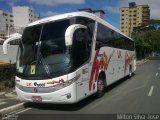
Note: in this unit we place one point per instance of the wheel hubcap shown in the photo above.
(100, 85)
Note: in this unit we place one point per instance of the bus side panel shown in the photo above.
(82, 84)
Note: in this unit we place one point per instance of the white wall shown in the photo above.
(11, 55)
(21, 18)
(2, 23)
(5, 20)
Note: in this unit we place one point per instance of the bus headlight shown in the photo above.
(67, 83)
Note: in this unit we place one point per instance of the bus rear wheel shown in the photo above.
(130, 72)
(100, 87)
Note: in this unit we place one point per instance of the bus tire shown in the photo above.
(130, 72)
(100, 87)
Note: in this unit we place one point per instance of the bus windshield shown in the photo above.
(42, 50)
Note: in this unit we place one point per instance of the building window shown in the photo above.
(5, 14)
(122, 10)
(122, 14)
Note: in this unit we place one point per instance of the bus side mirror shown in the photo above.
(12, 37)
(70, 31)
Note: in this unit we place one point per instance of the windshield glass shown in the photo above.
(42, 51)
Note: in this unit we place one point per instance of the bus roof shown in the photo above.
(74, 14)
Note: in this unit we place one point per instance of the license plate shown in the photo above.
(36, 98)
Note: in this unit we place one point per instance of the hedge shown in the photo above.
(7, 71)
(7, 75)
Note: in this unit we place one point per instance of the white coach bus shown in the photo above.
(65, 58)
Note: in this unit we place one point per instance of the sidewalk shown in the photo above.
(140, 62)
(8, 99)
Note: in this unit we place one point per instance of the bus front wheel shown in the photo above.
(100, 87)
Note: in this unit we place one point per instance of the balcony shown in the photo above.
(145, 15)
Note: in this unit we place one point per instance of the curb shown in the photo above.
(12, 108)
(142, 62)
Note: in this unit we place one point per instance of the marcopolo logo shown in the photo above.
(39, 84)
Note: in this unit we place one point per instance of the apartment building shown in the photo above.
(23, 15)
(133, 16)
(6, 20)
(6, 24)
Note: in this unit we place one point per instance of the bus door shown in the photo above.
(81, 54)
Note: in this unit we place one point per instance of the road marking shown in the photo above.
(151, 90)
(17, 106)
(2, 93)
(14, 98)
(11, 94)
(2, 100)
(23, 111)
(157, 74)
(1, 103)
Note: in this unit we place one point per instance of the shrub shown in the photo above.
(7, 75)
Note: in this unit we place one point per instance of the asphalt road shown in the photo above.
(140, 94)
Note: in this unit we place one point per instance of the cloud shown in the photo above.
(49, 13)
(153, 4)
(55, 2)
(11, 3)
(111, 9)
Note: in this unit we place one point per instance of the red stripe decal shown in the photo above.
(102, 64)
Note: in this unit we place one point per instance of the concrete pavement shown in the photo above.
(9, 102)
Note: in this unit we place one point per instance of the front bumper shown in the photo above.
(63, 96)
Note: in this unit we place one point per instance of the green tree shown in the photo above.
(146, 42)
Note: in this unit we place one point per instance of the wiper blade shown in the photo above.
(44, 63)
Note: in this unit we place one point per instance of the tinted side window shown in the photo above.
(104, 36)
(111, 38)
(129, 44)
(87, 22)
(118, 41)
(80, 48)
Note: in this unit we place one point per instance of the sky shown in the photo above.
(52, 7)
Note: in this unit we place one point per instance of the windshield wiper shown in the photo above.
(44, 63)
